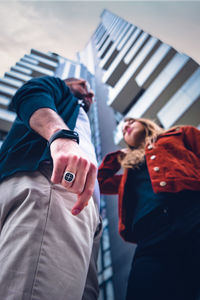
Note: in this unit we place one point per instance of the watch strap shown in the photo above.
(66, 134)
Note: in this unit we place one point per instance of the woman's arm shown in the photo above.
(108, 180)
(192, 139)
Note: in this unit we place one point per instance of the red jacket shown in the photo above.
(173, 164)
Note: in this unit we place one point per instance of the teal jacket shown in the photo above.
(24, 149)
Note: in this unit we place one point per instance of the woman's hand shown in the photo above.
(125, 150)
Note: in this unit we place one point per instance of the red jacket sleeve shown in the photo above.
(108, 180)
(192, 139)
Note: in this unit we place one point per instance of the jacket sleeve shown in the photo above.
(43, 92)
(192, 139)
(108, 180)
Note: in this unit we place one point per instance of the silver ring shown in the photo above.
(69, 176)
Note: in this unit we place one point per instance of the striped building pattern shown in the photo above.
(132, 74)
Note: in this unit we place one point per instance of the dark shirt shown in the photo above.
(24, 149)
(145, 198)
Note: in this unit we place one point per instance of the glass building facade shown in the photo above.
(132, 74)
(138, 76)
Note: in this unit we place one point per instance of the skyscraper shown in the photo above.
(136, 75)
(131, 73)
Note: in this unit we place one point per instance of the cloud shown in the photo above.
(56, 27)
(65, 27)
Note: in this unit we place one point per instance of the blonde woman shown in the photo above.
(159, 207)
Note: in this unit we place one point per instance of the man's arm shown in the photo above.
(66, 155)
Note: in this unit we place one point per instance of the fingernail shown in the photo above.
(76, 211)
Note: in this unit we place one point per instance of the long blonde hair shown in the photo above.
(134, 157)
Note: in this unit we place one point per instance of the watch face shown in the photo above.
(72, 135)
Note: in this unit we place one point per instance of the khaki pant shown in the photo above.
(46, 253)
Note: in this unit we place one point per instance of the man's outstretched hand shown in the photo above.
(67, 156)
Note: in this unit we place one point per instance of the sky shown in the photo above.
(65, 27)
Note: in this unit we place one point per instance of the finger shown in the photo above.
(87, 193)
(58, 169)
(81, 175)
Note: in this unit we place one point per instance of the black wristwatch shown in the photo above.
(65, 134)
